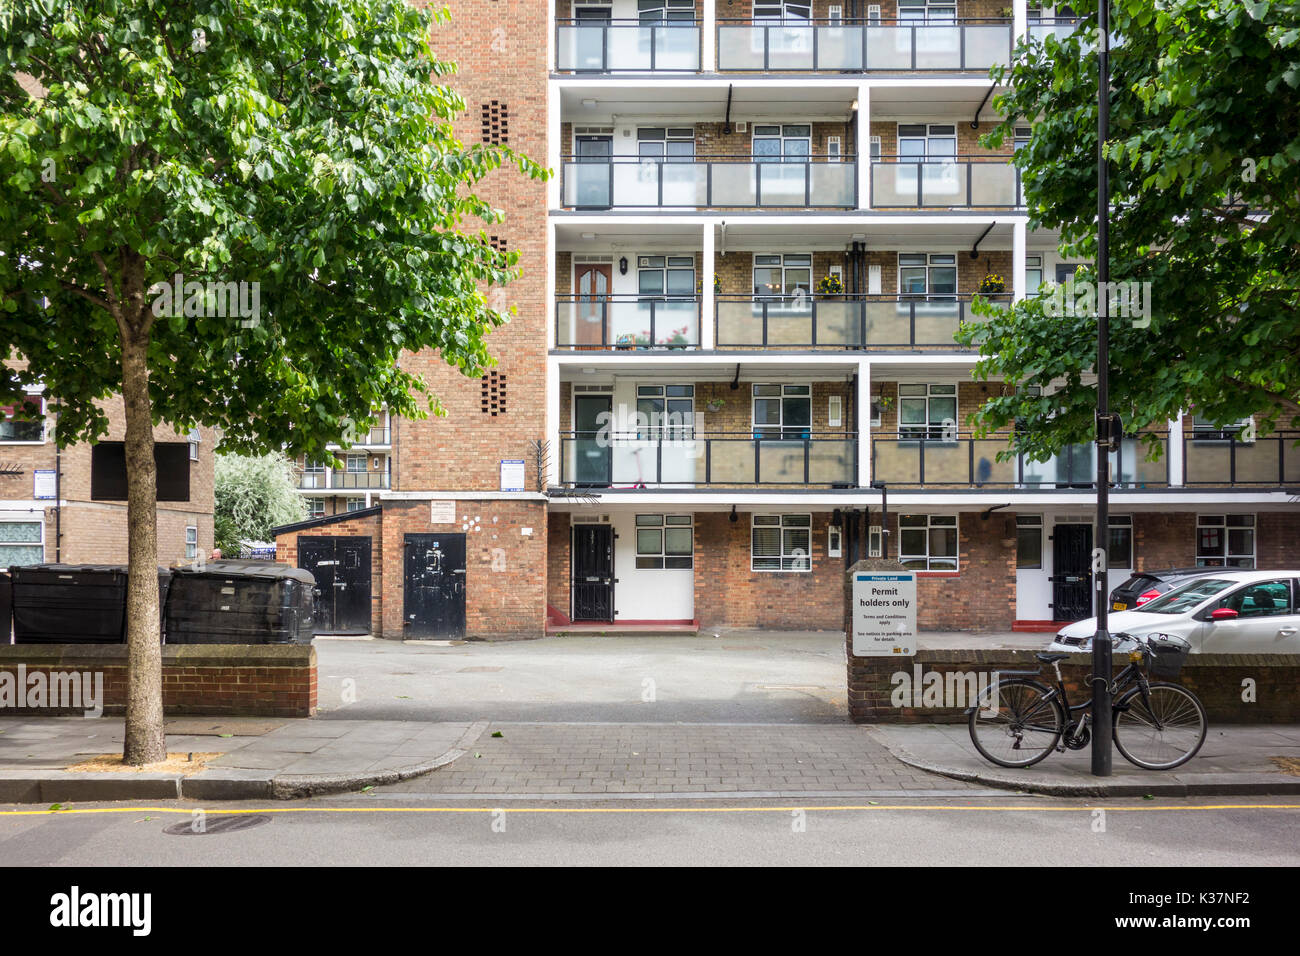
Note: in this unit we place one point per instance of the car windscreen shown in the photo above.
(1187, 596)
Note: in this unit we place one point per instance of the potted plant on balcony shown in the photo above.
(830, 285)
(992, 284)
(717, 285)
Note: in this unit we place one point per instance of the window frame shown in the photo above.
(931, 262)
(657, 559)
(191, 542)
(1027, 523)
(40, 420)
(788, 527)
(783, 432)
(666, 428)
(6, 545)
(944, 523)
(1119, 523)
(1225, 559)
(929, 430)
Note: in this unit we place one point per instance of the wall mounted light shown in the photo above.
(733, 517)
(622, 265)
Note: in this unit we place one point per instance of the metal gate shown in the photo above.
(593, 572)
(341, 566)
(434, 586)
(1071, 572)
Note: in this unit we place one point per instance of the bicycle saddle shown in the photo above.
(1049, 658)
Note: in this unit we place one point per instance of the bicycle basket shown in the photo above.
(1165, 655)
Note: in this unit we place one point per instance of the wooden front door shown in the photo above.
(592, 283)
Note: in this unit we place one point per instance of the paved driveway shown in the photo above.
(736, 676)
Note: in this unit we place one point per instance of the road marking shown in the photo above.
(1081, 808)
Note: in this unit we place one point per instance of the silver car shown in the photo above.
(1229, 612)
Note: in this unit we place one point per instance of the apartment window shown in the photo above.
(781, 543)
(1119, 542)
(782, 411)
(921, 274)
(1022, 136)
(191, 543)
(1205, 430)
(1033, 274)
(783, 275)
(664, 542)
(315, 507)
(665, 411)
(194, 438)
(356, 464)
(788, 10)
(772, 144)
(1029, 542)
(834, 542)
(19, 424)
(833, 150)
(674, 145)
(933, 11)
(666, 276)
(932, 142)
(21, 543)
(835, 411)
(1225, 541)
(927, 411)
(665, 11)
(313, 475)
(928, 542)
(356, 504)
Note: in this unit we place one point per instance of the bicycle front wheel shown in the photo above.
(1161, 732)
(1015, 723)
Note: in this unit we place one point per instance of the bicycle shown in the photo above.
(1156, 725)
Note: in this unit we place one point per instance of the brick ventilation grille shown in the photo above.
(494, 394)
(496, 123)
(497, 242)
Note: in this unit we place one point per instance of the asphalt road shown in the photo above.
(737, 676)
(420, 829)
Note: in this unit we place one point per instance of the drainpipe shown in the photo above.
(58, 493)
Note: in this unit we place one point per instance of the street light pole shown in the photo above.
(1101, 644)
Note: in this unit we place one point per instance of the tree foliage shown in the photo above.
(253, 495)
(1204, 154)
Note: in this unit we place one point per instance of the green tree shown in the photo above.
(305, 151)
(253, 495)
(1205, 197)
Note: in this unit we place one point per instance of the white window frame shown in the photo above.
(930, 431)
(312, 511)
(194, 438)
(835, 411)
(36, 519)
(667, 427)
(788, 392)
(1033, 264)
(1120, 523)
(352, 460)
(191, 542)
(355, 504)
(663, 523)
(45, 425)
(932, 523)
(1032, 522)
(933, 261)
(786, 263)
(834, 541)
(791, 559)
(1227, 523)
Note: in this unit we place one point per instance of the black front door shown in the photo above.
(434, 586)
(592, 431)
(593, 572)
(341, 566)
(1071, 572)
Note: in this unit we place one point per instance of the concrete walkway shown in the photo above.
(260, 758)
(1235, 759)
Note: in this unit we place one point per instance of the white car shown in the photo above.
(1229, 612)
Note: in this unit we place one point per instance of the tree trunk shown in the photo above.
(145, 741)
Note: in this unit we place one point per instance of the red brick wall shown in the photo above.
(228, 680)
(559, 539)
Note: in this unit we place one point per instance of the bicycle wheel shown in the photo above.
(1163, 732)
(1018, 728)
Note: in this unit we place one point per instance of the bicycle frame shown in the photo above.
(1120, 683)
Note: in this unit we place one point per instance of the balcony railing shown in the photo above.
(359, 479)
(843, 321)
(627, 46)
(727, 182)
(675, 456)
(897, 45)
(1232, 462)
(957, 182)
(932, 456)
(627, 322)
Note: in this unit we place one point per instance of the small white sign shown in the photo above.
(884, 614)
(512, 474)
(442, 512)
(43, 483)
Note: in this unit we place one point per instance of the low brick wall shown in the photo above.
(272, 680)
(1217, 679)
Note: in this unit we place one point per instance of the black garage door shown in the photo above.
(341, 566)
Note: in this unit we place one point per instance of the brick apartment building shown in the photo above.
(736, 315)
(69, 505)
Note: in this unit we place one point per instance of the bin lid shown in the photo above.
(263, 570)
(81, 568)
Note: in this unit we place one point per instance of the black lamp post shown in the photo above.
(1106, 430)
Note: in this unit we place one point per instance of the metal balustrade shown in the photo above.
(957, 182)
(627, 322)
(817, 182)
(1229, 461)
(627, 46)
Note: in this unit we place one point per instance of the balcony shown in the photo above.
(679, 458)
(626, 322)
(843, 321)
(959, 182)
(927, 458)
(627, 46)
(1231, 462)
(721, 182)
(343, 481)
(853, 46)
